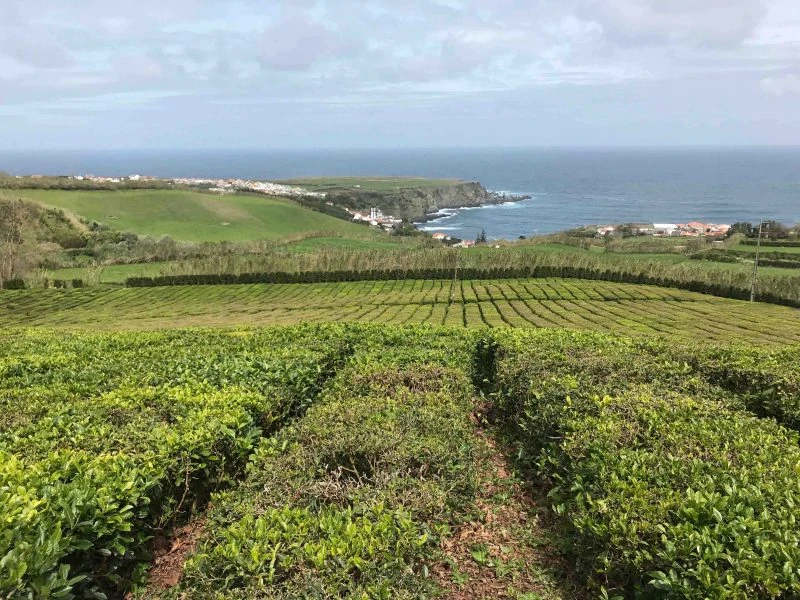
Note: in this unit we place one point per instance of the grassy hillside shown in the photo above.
(524, 303)
(192, 216)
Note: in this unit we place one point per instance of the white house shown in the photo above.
(665, 228)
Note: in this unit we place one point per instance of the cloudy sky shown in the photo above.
(398, 73)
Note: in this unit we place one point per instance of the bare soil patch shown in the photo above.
(505, 550)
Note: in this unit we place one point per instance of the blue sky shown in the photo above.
(400, 73)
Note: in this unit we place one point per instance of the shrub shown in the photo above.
(663, 490)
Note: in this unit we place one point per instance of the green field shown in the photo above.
(766, 249)
(193, 216)
(374, 462)
(578, 304)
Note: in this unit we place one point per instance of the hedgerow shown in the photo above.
(106, 450)
(351, 500)
(666, 487)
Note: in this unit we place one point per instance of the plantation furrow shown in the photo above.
(776, 331)
(491, 315)
(623, 314)
(652, 315)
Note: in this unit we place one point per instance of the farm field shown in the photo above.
(375, 462)
(193, 216)
(766, 249)
(539, 303)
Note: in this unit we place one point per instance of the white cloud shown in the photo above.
(787, 85)
(708, 22)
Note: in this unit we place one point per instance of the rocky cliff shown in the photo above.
(415, 203)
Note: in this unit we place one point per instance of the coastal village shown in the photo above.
(219, 186)
(690, 229)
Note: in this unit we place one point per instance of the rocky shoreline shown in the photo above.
(492, 198)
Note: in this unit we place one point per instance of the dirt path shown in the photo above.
(169, 554)
(505, 550)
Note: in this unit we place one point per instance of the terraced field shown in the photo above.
(570, 303)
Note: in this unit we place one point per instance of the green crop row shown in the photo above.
(333, 461)
(106, 442)
(541, 271)
(773, 243)
(352, 499)
(766, 380)
(666, 486)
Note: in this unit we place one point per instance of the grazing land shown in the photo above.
(193, 216)
(549, 303)
(355, 461)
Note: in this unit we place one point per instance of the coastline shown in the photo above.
(495, 198)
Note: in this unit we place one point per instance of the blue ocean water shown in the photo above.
(569, 187)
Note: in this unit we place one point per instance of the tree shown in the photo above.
(481, 239)
(406, 228)
(744, 227)
(10, 239)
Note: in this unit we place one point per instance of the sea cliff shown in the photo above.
(418, 203)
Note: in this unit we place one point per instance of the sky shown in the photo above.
(102, 74)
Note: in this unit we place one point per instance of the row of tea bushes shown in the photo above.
(766, 379)
(773, 243)
(107, 440)
(351, 500)
(699, 285)
(666, 486)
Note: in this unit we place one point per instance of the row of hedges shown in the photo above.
(773, 243)
(352, 500)
(106, 441)
(782, 260)
(19, 284)
(13, 284)
(662, 489)
(705, 287)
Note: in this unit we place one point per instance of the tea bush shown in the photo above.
(666, 487)
(351, 500)
(108, 439)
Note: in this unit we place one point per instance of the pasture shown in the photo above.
(193, 216)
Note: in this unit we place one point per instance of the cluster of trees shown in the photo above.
(770, 230)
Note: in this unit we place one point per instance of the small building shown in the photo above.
(665, 228)
(606, 230)
(440, 236)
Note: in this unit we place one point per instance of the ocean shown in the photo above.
(569, 187)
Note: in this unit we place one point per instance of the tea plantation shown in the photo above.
(495, 303)
(373, 461)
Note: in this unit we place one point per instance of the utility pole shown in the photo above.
(755, 265)
(455, 280)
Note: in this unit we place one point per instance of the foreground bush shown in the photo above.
(107, 441)
(661, 494)
(766, 380)
(352, 499)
